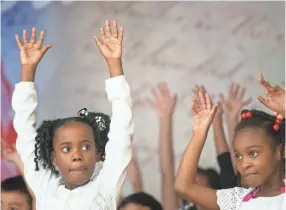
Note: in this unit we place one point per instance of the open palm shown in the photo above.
(203, 112)
(235, 102)
(31, 51)
(110, 44)
(8, 153)
(164, 102)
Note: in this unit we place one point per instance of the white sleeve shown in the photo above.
(118, 147)
(231, 199)
(24, 103)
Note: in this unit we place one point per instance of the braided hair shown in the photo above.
(262, 120)
(99, 123)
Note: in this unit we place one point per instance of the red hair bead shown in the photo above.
(276, 127)
(278, 121)
(248, 114)
(243, 115)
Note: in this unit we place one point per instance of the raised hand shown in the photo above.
(110, 43)
(8, 153)
(196, 89)
(164, 102)
(203, 112)
(234, 103)
(31, 51)
(274, 97)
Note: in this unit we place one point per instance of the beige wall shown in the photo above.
(182, 43)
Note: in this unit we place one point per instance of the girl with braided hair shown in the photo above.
(259, 144)
(61, 156)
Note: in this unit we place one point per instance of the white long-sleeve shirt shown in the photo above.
(102, 191)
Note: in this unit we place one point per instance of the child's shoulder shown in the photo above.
(232, 197)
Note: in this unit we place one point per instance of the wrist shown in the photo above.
(200, 133)
(165, 117)
(217, 118)
(115, 67)
(28, 73)
(233, 117)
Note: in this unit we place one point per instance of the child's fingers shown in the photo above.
(195, 91)
(107, 28)
(236, 90)
(213, 110)
(202, 100)
(98, 41)
(262, 81)
(230, 90)
(203, 88)
(263, 101)
(25, 36)
(195, 106)
(34, 34)
(208, 101)
(19, 43)
(164, 89)
(45, 49)
(102, 33)
(115, 29)
(121, 33)
(241, 93)
(41, 39)
(157, 93)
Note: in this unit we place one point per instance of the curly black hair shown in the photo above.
(142, 199)
(212, 177)
(264, 121)
(99, 123)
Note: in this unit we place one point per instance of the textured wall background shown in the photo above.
(182, 43)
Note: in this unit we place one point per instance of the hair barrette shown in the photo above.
(100, 123)
(277, 123)
(246, 115)
(83, 112)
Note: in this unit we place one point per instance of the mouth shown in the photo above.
(82, 168)
(249, 175)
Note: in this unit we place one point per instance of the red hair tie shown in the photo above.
(278, 121)
(246, 115)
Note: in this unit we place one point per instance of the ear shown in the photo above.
(53, 159)
(280, 152)
(98, 157)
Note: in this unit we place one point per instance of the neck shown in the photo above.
(273, 186)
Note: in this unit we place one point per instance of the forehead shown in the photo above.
(251, 137)
(14, 197)
(71, 130)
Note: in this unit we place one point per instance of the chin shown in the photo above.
(251, 183)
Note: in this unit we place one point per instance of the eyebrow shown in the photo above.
(66, 142)
(16, 204)
(83, 141)
(250, 147)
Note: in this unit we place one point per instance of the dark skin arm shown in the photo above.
(203, 112)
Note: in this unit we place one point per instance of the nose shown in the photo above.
(77, 156)
(246, 163)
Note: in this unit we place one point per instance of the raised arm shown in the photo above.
(164, 104)
(134, 174)
(24, 103)
(118, 147)
(203, 112)
(11, 155)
